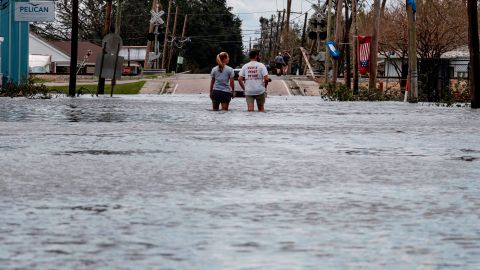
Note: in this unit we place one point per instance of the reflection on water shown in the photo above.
(164, 183)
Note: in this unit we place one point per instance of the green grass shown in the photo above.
(120, 89)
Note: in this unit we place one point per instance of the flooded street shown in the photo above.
(161, 182)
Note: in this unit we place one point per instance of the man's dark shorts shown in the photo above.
(259, 98)
(220, 96)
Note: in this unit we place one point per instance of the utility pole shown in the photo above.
(277, 40)
(108, 17)
(346, 41)
(106, 29)
(412, 55)
(287, 26)
(250, 44)
(271, 36)
(151, 28)
(73, 50)
(329, 36)
(338, 33)
(474, 53)
(165, 42)
(372, 85)
(173, 39)
(118, 19)
(281, 30)
(304, 32)
(184, 32)
(355, 47)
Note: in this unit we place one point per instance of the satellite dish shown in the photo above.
(112, 43)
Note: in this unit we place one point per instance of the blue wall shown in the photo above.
(15, 46)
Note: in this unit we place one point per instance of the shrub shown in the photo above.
(26, 89)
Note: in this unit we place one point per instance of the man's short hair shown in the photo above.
(253, 54)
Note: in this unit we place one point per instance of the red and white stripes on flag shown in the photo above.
(364, 54)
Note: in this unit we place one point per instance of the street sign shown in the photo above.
(157, 17)
(109, 66)
(180, 60)
(38, 11)
(112, 43)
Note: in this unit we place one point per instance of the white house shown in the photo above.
(459, 60)
(45, 58)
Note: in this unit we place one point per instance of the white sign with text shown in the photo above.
(35, 11)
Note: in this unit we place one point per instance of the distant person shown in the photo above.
(279, 63)
(253, 79)
(286, 58)
(222, 87)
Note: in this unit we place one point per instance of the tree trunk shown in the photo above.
(374, 47)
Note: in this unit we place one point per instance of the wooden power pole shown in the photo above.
(151, 28)
(372, 85)
(106, 30)
(74, 50)
(338, 34)
(329, 36)
(355, 47)
(165, 42)
(287, 25)
(174, 38)
(412, 55)
(118, 18)
(474, 53)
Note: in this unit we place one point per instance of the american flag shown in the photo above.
(364, 54)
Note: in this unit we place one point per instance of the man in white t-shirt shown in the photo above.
(253, 78)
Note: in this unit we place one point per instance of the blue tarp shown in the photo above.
(413, 4)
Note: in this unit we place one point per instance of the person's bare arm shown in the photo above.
(241, 81)
(232, 86)
(211, 85)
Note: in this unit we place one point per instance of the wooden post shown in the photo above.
(118, 18)
(270, 43)
(355, 47)
(106, 29)
(151, 28)
(282, 25)
(338, 33)
(277, 34)
(372, 85)
(346, 41)
(329, 36)
(165, 42)
(287, 25)
(412, 56)
(174, 38)
(72, 86)
(474, 53)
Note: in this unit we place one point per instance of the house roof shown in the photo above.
(461, 52)
(83, 47)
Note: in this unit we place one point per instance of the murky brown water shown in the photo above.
(164, 183)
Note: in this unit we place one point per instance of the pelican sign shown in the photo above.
(38, 11)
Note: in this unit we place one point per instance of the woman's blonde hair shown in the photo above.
(220, 58)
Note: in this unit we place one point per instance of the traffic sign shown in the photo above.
(157, 17)
(112, 43)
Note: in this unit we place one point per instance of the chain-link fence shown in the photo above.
(438, 79)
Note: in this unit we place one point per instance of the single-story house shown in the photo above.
(458, 58)
(54, 56)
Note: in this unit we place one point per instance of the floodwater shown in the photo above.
(161, 182)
